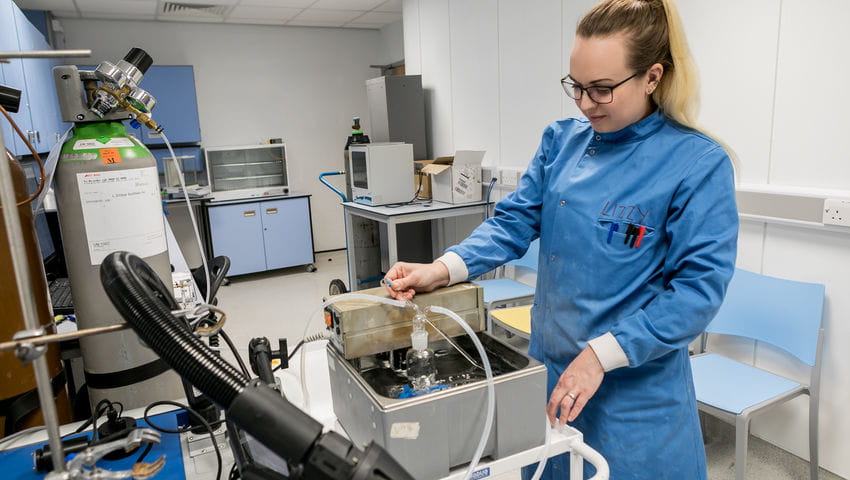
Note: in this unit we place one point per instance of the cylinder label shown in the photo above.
(122, 210)
(92, 143)
(110, 155)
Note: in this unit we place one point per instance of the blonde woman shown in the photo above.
(635, 211)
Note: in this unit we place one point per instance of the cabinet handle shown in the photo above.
(38, 136)
(249, 213)
(271, 211)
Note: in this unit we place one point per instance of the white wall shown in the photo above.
(392, 43)
(259, 82)
(773, 75)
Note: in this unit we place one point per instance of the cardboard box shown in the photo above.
(456, 179)
(421, 181)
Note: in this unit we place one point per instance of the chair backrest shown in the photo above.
(784, 313)
(219, 267)
(529, 260)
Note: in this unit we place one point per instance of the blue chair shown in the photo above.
(506, 292)
(784, 313)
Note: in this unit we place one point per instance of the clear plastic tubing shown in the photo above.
(491, 391)
(191, 210)
(544, 454)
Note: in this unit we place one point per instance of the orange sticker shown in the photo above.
(110, 155)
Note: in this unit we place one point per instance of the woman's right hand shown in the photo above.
(405, 279)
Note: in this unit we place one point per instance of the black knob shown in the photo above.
(139, 58)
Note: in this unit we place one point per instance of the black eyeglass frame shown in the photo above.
(568, 87)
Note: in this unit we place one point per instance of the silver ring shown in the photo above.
(572, 395)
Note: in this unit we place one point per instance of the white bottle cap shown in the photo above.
(419, 339)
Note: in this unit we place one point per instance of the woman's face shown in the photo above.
(601, 62)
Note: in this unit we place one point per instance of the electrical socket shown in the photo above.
(488, 173)
(836, 211)
(510, 176)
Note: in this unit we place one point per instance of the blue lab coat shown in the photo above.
(655, 297)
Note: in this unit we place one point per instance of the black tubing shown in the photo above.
(130, 283)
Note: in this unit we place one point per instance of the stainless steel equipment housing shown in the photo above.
(431, 433)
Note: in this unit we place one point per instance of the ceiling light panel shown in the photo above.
(118, 16)
(264, 12)
(277, 3)
(66, 5)
(363, 5)
(131, 7)
(316, 15)
(205, 2)
(308, 23)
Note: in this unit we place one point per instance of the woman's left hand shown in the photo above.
(576, 386)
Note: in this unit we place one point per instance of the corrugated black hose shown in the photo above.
(146, 304)
(130, 284)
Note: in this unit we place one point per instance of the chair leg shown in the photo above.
(813, 438)
(742, 432)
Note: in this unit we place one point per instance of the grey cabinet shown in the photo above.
(262, 235)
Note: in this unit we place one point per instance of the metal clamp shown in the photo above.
(83, 466)
(29, 351)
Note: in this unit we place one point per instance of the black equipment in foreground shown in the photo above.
(142, 299)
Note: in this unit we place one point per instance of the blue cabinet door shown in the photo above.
(176, 108)
(13, 76)
(7, 35)
(237, 232)
(42, 101)
(287, 232)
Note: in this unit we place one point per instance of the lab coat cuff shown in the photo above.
(456, 266)
(609, 352)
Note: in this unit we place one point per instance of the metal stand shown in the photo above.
(22, 276)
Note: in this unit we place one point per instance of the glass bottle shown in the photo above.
(421, 370)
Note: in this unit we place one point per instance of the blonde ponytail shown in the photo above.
(655, 34)
(678, 92)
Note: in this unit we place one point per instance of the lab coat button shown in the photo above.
(598, 137)
(551, 258)
(563, 202)
(591, 152)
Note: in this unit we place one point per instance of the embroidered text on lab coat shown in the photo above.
(632, 213)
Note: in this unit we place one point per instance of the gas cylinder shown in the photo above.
(108, 198)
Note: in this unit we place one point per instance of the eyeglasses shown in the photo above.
(596, 94)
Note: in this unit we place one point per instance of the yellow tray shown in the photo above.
(515, 319)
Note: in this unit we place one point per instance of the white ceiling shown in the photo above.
(309, 13)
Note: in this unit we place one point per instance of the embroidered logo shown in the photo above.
(632, 213)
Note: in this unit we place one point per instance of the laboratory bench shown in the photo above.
(377, 237)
